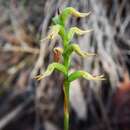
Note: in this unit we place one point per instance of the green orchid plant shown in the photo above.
(59, 28)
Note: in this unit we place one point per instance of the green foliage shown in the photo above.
(59, 29)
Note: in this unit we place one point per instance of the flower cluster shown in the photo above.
(59, 29)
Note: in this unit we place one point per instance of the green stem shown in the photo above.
(66, 93)
(66, 104)
(66, 82)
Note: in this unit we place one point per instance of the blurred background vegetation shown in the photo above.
(27, 104)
